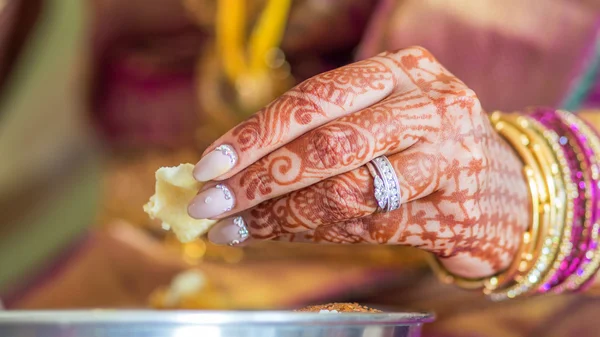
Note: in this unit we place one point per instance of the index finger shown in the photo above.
(312, 103)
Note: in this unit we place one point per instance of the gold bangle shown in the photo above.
(524, 256)
(547, 150)
(566, 246)
(547, 244)
(531, 244)
(583, 274)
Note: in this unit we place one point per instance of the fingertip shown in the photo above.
(191, 209)
(215, 163)
(230, 231)
(211, 203)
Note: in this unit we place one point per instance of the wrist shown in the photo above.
(559, 250)
(508, 210)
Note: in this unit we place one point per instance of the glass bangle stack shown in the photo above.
(559, 249)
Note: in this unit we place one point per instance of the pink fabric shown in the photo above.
(144, 108)
(583, 66)
(531, 55)
(524, 54)
(51, 268)
(593, 96)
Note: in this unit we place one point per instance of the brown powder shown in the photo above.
(339, 307)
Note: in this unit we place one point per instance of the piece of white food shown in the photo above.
(175, 188)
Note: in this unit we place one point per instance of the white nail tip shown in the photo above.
(229, 152)
(242, 231)
(227, 195)
(216, 163)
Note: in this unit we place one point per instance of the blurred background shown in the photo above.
(96, 95)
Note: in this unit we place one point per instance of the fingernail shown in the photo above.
(215, 163)
(231, 231)
(211, 203)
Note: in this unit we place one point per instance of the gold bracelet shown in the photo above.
(532, 240)
(566, 246)
(524, 256)
(545, 147)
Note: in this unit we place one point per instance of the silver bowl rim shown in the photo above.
(200, 318)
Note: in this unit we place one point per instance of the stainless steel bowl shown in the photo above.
(118, 323)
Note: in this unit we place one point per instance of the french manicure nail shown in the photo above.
(215, 163)
(211, 203)
(231, 231)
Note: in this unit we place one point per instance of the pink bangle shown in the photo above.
(588, 268)
(588, 248)
(580, 174)
(584, 266)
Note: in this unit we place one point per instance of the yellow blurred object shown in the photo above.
(195, 250)
(230, 32)
(241, 73)
(268, 34)
(129, 182)
(201, 250)
(262, 285)
(254, 60)
(189, 290)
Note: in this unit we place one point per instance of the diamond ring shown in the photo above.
(387, 187)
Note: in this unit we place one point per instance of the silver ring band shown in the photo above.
(387, 187)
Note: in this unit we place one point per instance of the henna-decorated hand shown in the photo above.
(298, 170)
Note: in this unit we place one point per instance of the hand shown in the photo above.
(299, 172)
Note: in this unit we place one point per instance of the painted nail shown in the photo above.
(211, 203)
(215, 163)
(231, 231)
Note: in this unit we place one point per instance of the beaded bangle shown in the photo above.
(545, 147)
(575, 229)
(591, 260)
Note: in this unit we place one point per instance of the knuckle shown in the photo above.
(478, 159)
(264, 181)
(262, 223)
(336, 234)
(358, 227)
(304, 89)
(411, 50)
(328, 147)
(418, 172)
(311, 92)
(470, 96)
(470, 100)
(417, 49)
(248, 134)
(342, 201)
(255, 181)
